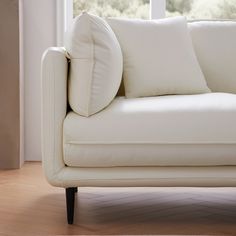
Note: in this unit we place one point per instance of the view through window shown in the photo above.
(113, 8)
(202, 9)
(193, 9)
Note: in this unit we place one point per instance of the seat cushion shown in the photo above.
(133, 132)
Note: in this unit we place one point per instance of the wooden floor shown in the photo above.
(29, 206)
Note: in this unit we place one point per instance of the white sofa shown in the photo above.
(178, 140)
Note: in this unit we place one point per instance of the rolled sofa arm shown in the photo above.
(54, 69)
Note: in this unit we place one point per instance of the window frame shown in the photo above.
(65, 15)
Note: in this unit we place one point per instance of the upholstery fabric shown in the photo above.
(96, 64)
(120, 155)
(211, 176)
(159, 58)
(214, 43)
(201, 118)
(128, 131)
(54, 108)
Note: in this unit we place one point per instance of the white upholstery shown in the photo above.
(223, 176)
(120, 155)
(162, 120)
(214, 44)
(96, 64)
(158, 56)
(130, 129)
(213, 112)
(54, 105)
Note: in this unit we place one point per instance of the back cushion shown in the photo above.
(158, 57)
(96, 64)
(215, 47)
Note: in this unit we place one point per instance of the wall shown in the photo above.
(39, 19)
(22, 120)
(10, 100)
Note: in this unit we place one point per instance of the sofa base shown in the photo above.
(144, 154)
(214, 176)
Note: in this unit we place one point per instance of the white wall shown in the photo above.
(39, 19)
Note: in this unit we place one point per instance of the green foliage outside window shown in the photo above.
(193, 9)
(202, 9)
(114, 8)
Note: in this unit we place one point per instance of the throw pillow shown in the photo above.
(158, 57)
(96, 64)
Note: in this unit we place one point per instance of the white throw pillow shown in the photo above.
(96, 64)
(158, 57)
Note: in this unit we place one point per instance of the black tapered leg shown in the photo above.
(70, 203)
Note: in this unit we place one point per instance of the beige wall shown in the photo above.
(9, 85)
(27, 28)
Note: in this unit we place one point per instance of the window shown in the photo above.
(144, 9)
(202, 9)
(114, 8)
(154, 9)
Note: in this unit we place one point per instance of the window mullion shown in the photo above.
(64, 18)
(157, 9)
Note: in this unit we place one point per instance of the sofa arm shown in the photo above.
(54, 69)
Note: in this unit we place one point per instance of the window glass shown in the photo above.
(113, 8)
(202, 9)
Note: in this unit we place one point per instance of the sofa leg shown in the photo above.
(70, 203)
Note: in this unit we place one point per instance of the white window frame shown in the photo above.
(65, 15)
(157, 9)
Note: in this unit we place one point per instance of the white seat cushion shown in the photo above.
(129, 131)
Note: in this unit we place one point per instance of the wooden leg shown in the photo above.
(70, 203)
